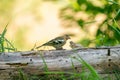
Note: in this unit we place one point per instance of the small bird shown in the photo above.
(57, 43)
(74, 45)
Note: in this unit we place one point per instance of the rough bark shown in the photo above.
(102, 59)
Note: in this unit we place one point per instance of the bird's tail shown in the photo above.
(40, 46)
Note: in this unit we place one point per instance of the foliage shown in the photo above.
(91, 74)
(5, 45)
(108, 31)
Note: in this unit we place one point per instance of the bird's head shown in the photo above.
(66, 37)
(71, 42)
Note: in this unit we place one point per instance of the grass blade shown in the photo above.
(93, 73)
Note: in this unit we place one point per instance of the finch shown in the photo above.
(74, 45)
(57, 42)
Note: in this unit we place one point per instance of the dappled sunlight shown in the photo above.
(25, 30)
(59, 39)
(36, 22)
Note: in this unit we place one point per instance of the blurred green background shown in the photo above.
(89, 22)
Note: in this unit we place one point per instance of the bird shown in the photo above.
(74, 45)
(57, 42)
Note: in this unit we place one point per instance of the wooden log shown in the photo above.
(30, 62)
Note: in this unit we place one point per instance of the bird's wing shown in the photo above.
(53, 42)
